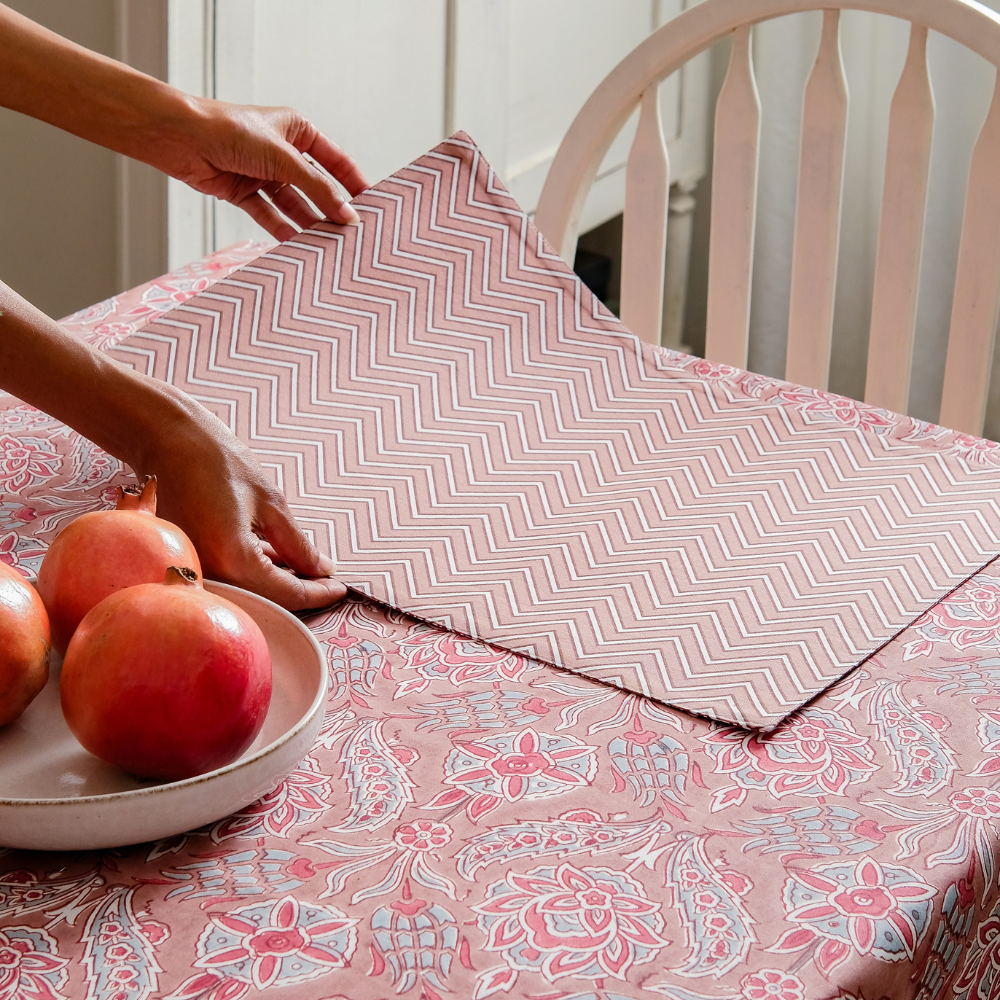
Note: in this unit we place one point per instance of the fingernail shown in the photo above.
(327, 565)
(348, 216)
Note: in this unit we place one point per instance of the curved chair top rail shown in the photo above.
(634, 81)
(666, 50)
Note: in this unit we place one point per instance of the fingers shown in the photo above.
(291, 204)
(291, 592)
(315, 185)
(331, 157)
(290, 543)
(266, 216)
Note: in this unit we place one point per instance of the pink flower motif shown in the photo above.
(874, 909)
(278, 943)
(983, 803)
(303, 795)
(12, 555)
(713, 370)
(976, 449)
(108, 334)
(25, 460)
(120, 953)
(822, 405)
(514, 766)
(982, 959)
(30, 965)
(968, 617)
(92, 314)
(438, 655)
(588, 923)
(424, 835)
(772, 984)
(815, 753)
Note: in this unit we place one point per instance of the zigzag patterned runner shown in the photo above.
(477, 441)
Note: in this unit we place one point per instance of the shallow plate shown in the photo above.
(55, 796)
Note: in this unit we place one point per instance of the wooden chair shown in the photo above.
(817, 215)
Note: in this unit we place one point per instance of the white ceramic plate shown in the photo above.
(55, 796)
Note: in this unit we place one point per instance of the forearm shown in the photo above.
(117, 408)
(53, 79)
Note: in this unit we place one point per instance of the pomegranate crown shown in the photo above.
(141, 498)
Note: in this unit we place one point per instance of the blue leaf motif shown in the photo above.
(378, 784)
(718, 929)
(924, 762)
(117, 955)
(586, 833)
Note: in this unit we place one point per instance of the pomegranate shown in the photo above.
(166, 680)
(105, 551)
(24, 644)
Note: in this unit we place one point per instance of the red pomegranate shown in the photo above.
(105, 551)
(165, 680)
(24, 644)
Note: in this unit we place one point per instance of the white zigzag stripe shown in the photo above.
(480, 443)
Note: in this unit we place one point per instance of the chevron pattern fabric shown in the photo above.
(477, 441)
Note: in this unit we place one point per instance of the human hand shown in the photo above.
(210, 485)
(239, 153)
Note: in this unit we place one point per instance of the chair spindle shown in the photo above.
(977, 287)
(734, 208)
(817, 213)
(901, 231)
(644, 235)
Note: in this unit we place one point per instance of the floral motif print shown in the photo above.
(30, 967)
(967, 618)
(436, 654)
(376, 771)
(418, 941)
(423, 835)
(923, 760)
(865, 907)
(815, 753)
(580, 832)
(515, 766)
(26, 461)
(119, 952)
(718, 930)
(714, 370)
(815, 404)
(897, 765)
(587, 923)
(980, 975)
(975, 449)
(303, 795)
(771, 984)
(277, 944)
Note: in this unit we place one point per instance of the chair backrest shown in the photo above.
(818, 199)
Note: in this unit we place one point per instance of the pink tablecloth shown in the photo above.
(471, 823)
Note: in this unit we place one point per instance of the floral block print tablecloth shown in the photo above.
(474, 824)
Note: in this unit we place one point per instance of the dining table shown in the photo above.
(475, 822)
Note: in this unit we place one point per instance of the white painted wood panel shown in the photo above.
(817, 213)
(374, 74)
(644, 237)
(977, 287)
(901, 231)
(368, 73)
(734, 207)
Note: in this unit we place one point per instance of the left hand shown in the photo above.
(239, 153)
